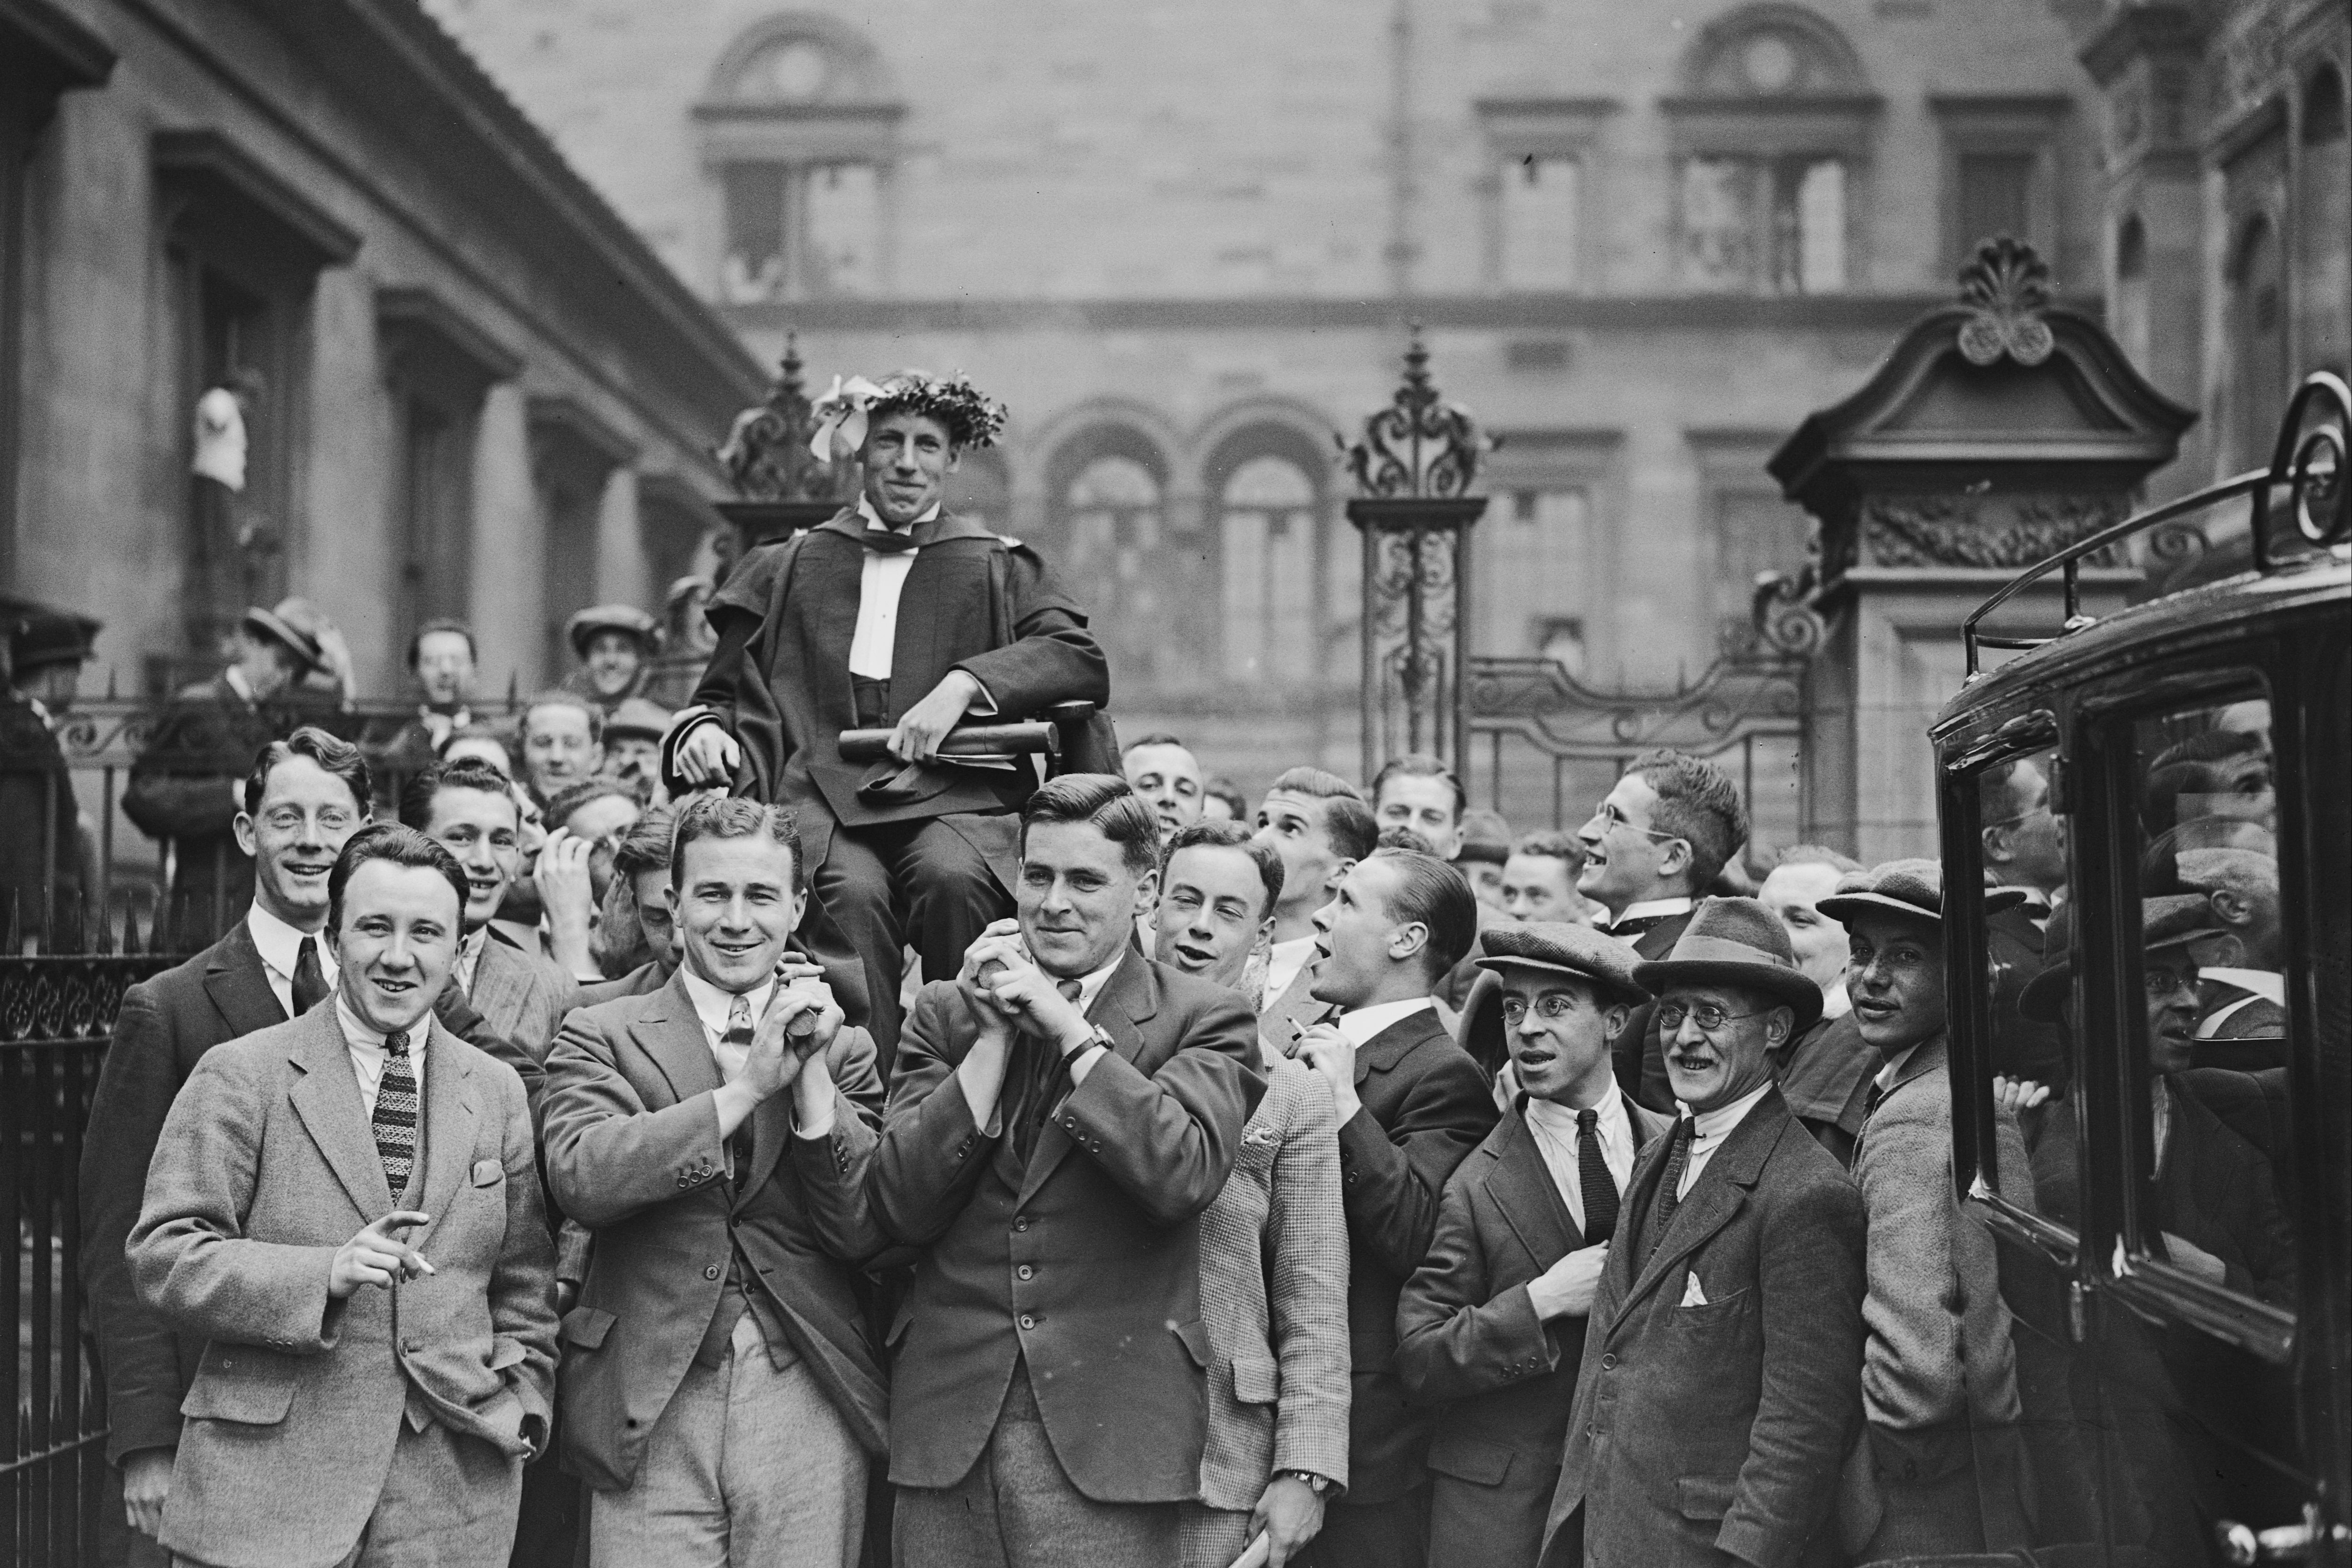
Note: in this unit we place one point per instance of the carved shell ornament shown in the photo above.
(2006, 288)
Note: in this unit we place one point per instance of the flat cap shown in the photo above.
(596, 618)
(1564, 949)
(638, 716)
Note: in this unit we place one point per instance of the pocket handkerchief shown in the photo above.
(1692, 1294)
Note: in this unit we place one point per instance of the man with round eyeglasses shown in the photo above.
(1723, 1356)
(1491, 1329)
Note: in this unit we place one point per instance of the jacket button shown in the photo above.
(1027, 1321)
(412, 1344)
(1024, 1271)
(711, 1273)
(1609, 1363)
(1020, 1222)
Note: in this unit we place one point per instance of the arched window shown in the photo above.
(2323, 227)
(1107, 537)
(2131, 316)
(1269, 529)
(1768, 135)
(2258, 342)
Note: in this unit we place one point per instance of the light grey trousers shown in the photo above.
(750, 1465)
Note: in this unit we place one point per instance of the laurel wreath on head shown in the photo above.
(849, 408)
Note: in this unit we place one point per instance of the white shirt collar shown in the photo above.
(282, 944)
(873, 519)
(237, 682)
(712, 1005)
(1642, 909)
(1553, 1127)
(1090, 986)
(1284, 960)
(1894, 1065)
(2267, 984)
(1364, 1023)
(1610, 1121)
(1710, 1128)
(1835, 1002)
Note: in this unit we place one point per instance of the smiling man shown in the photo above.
(1274, 1247)
(1943, 1465)
(1165, 775)
(898, 615)
(344, 1212)
(615, 645)
(1320, 827)
(1491, 1329)
(1411, 1105)
(1739, 1236)
(1061, 1113)
(1653, 845)
(721, 1413)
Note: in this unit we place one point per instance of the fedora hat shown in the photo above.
(1910, 888)
(626, 618)
(1735, 941)
(1560, 948)
(293, 624)
(2168, 919)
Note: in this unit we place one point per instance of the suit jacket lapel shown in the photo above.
(671, 1034)
(327, 1097)
(1126, 1000)
(1393, 1043)
(1522, 1187)
(239, 984)
(1719, 1194)
(447, 1127)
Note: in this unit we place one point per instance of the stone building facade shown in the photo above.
(1183, 242)
(469, 388)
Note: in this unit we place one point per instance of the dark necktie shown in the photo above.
(309, 980)
(1041, 1084)
(738, 1035)
(395, 1120)
(1670, 1181)
(1593, 1173)
(890, 541)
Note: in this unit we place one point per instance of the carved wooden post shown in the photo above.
(1999, 430)
(784, 486)
(1414, 467)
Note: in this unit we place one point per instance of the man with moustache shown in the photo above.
(345, 1209)
(1166, 776)
(1411, 1106)
(304, 797)
(1826, 1071)
(722, 1413)
(1940, 1466)
(468, 808)
(1654, 844)
(1273, 1244)
(1320, 827)
(901, 616)
(1720, 1387)
(1061, 1114)
(1490, 1331)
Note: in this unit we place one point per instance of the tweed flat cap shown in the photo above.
(597, 619)
(1735, 941)
(1564, 949)
(2170, 920)
(638, 716)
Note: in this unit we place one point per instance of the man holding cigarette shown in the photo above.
(720, 1395)
(345, 1208)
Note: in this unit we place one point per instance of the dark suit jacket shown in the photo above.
(1470, 1345)
(266, 1167)
(165, 1025)
(41, 857)
(1425, 1107)
(2022, 1046)
(521, 995)
(1720, 1428)
(634, 1154)
(1085, 1262)
(1640, 1054)
(179, 792)
(1825, 1078)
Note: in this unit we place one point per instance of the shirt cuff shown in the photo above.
(820, 1128)
(1084, 1063)
(983, 703)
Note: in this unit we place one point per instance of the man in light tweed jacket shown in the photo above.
(1273, 1245)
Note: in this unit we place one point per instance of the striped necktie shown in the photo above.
(1670, 1181)
(394, 1120)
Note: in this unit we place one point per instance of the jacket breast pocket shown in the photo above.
(584, 1327)
(489, 1172)
(1256, 1381)
(1705, 1497)
(1713, 1317)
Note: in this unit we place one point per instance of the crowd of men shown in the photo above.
(727, 1152)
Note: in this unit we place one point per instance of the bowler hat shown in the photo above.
(596, 618)
(2169, 919)
(1562, 948)
(39, 635)
(293, 624)
(638, 716)
(1735, 941)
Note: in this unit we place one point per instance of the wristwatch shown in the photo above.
(1316, 1484)
(1100, 1036)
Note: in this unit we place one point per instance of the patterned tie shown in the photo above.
(395, 1121)
(1670, 1181)
(738, 1035)
(309, 980)
(1592, 1170)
